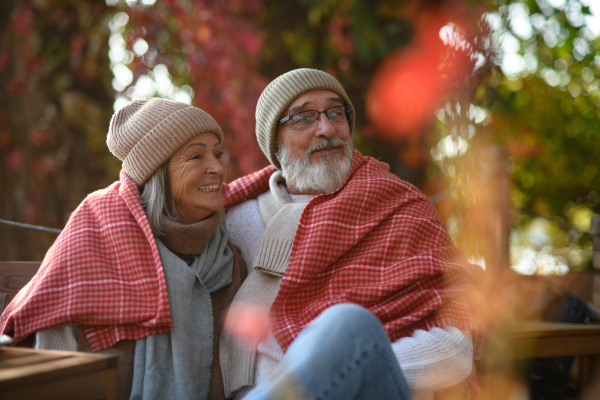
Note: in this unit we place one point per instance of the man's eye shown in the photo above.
(336, 113)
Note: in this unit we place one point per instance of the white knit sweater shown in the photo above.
(430, 360)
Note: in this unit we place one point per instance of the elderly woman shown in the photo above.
(143, 268)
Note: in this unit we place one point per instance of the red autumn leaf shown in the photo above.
(37, 137)
(22, 21)
(4, 57)
(41, 168)
(14, 160)
(251, 42)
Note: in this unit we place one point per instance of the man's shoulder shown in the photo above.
(247, 187)
(378, 171)
(245, 228)
(242, 207)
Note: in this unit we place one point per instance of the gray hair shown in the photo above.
(157, 199)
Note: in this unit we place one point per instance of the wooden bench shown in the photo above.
(13, 276)
(51, 374)
(536, 340)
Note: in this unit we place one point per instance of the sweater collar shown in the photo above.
(188, 240)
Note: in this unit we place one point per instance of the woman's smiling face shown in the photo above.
(196, 175)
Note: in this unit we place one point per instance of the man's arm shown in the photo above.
(245, 229)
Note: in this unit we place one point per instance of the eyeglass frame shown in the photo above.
(347, 110)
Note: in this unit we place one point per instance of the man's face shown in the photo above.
(315, 159)
(298, 141)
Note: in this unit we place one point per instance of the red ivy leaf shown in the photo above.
(14, 161)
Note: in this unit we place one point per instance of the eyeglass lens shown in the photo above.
(306, 119)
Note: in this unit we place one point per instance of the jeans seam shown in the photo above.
(390, 366)
(353, 365)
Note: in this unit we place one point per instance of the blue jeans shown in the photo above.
(343, 354)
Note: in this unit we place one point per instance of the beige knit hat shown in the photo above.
(280, 93)
(147, 132)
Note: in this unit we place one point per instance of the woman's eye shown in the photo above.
(195, 157)
(219, 155)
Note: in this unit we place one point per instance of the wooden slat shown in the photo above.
(547, 339)
(579, 284)
(13, 276)
(23, 360)
(553, 329)
(49, 370)
(57, 364)
(595, 226)
(555, 347)
(112, 383)
(109, 359)
(91, 387)
(3, 301)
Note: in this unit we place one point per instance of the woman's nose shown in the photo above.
(215, 166)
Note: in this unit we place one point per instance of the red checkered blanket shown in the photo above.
(103, 272)
(378, 242)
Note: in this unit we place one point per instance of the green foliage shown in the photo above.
(548, 118)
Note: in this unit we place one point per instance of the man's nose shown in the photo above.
(324, 126)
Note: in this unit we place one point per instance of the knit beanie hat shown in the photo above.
(147, 132)
(280, 93)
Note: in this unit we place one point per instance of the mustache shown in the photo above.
(325, 143)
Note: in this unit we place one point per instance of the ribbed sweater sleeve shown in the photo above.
(60, 338)
(435, 359)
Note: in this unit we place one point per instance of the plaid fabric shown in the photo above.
(103, 272)
(377, 242)
(247, 187)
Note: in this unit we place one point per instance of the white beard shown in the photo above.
(324, 177)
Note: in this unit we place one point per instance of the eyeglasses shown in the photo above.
(307, 119)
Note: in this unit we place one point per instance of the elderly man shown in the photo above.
(325, 226)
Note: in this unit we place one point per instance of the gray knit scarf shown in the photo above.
(176, 364)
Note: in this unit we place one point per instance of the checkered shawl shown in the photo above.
(377, 242)
(103, 272)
